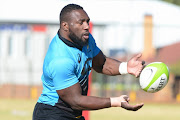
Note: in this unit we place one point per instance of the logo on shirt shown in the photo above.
(79, 58)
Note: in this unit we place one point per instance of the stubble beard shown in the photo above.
(76, 39)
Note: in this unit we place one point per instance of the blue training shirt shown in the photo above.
(65, 64)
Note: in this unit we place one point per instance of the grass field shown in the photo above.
(21, 109)
(148, 112)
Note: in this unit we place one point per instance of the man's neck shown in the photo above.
(64, 35)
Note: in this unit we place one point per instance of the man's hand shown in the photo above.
(127, 106)
(135, 66)
(123, 101)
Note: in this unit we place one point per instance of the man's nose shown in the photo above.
(86, 26)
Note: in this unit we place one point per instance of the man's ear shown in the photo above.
(65, 26)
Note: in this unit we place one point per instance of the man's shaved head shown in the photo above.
(64, 14)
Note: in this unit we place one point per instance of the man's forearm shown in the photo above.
(111, 67)
(91, 103)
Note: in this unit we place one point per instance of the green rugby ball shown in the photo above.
(154, 77)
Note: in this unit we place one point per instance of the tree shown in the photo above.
(175, 68)
(176, 2)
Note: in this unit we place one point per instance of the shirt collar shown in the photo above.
(69, 43)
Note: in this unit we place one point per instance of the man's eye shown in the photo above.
(81, 23)
(88, 22)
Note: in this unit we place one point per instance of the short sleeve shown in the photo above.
(95, 49)
(63, 73)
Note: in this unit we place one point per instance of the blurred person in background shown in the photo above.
(67, 64)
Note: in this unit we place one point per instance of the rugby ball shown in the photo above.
(154, 77)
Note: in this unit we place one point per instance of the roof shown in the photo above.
(169, 54)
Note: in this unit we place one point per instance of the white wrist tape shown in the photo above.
(123, 68)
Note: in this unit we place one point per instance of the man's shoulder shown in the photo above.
(62, 60)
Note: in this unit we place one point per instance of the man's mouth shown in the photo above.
(86, 36)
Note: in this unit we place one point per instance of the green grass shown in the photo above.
(148, 112)
(21, 109)
(16, 109)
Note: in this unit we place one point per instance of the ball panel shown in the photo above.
(146, 76)
(159, 84)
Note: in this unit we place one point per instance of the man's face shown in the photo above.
(79, 27)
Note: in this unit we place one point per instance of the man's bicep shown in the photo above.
(70, 95)
(98, 62)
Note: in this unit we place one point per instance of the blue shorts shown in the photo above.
(48, 112)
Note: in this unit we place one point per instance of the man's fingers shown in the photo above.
(138, 73)
(138, 56)
(127, 106)
(138, 106)
(140, 69)
(126, 98)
